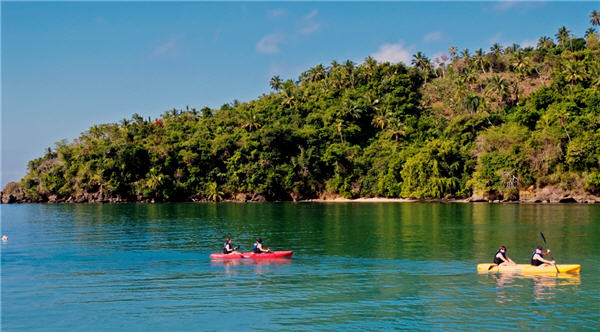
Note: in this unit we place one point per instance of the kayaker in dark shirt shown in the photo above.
(500, 257)
(258, 248)
(228, 247)
(537, 257)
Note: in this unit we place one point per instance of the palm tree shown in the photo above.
(317, 73)
(465, 54)
(396, 129)
(496, 49)
(155, 180)
(480, 59)
(472, 103)
(422, 62)
(213, 193)
(595, 17)
(441, 61)
(563, 36)
(250, 122)
(521, 64)
(498, 86)
(371, 66)
(276, 83)
(452, 52)
(594, 71)
(381, 119)
(545, 42)
(339, 126)
(349, 66)
(289, 98)
(574, 72)
(512, 48)
(589, 32)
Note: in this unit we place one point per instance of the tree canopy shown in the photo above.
(485, 122)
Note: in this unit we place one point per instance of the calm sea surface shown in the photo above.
(356, 266)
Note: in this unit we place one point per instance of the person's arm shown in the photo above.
(541, 259)
(499, 255)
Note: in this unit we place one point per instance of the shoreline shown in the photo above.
(546, 195)
(366, 200)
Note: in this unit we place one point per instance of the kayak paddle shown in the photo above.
(546, 244)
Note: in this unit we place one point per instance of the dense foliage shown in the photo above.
(498, 122)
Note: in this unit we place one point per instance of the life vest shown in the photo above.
(255, 247)
(536, 262)
(497, 260)
(226, 248)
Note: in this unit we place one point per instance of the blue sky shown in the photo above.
(67, 66)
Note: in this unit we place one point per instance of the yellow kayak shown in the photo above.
(526, 268)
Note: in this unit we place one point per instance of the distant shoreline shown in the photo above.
(331, 201)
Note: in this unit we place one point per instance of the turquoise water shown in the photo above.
(367, 266)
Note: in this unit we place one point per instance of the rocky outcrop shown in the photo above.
(553, 194)
(13, 193)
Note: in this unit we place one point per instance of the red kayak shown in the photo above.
(251, 255)
(220, 255)
(274, 254)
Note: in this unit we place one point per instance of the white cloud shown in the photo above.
(311, 15)
(505, 4)
(276, 13)
(393, 53)
(269, 44)
(432, 36)
(309, 24)
(165, 48)
(495, 38)
(527, 43)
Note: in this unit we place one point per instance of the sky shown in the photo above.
(66, 66)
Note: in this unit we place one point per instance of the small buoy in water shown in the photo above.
(4, 238)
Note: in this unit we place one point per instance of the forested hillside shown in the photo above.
(491, 123)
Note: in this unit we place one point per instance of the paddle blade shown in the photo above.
(543, 238)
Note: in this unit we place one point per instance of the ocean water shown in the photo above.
(356, 266)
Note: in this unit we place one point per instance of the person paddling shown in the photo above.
(537, 257)
(258, 248)
(228, 247)
(500, 257)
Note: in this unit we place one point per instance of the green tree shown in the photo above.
(276, 83)
(595, 17)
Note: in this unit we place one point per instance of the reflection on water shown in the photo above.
(355, 267)
(257, 266)
(235, 262)
(544, 286)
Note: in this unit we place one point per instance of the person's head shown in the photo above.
(538, 248)
(259, 240)
(228, 240)
(503, 248)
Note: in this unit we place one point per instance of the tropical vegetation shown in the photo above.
(489, 121)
